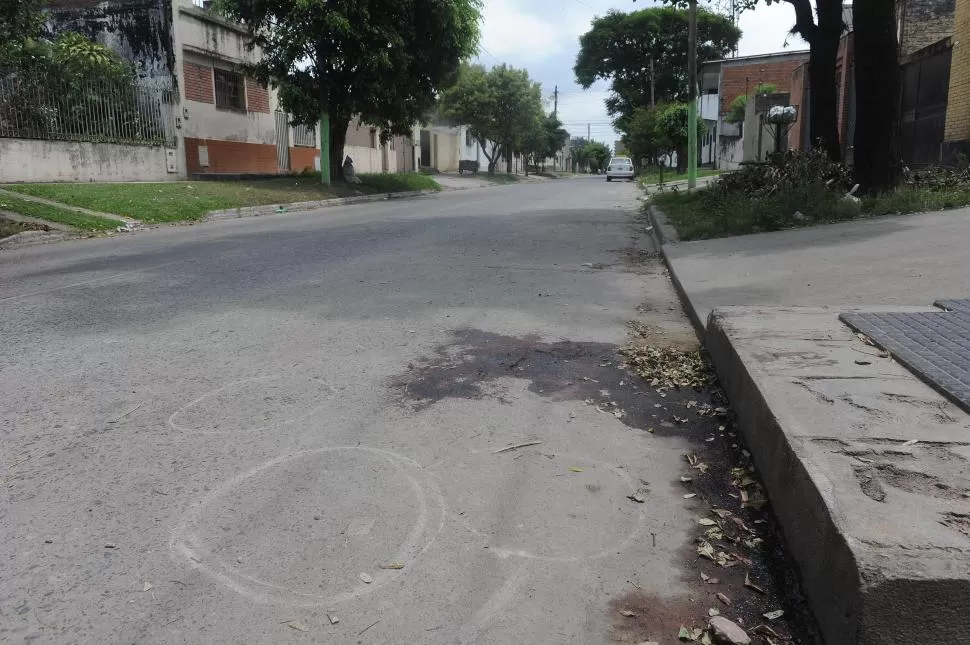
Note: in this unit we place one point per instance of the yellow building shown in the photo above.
(956, 138)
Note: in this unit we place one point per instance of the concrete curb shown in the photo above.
(34, 238)
(661, 230)
(272, 209)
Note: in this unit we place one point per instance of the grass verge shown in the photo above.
(710, 213)
(191, 200)
(650, 178)
(54, 214)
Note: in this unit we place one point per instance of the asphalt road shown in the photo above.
(240, 432)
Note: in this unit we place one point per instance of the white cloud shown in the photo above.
(508, 31)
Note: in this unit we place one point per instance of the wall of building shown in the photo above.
(956, 138)
(236, 140)
(923, 22)
(139, 30)
(80, 161)
(740, 76)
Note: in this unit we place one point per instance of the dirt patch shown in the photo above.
(470, 366)
(10, 227)
(722, 485)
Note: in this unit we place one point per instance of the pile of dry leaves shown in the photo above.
(669, 366)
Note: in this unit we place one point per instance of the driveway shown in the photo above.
(400, 422)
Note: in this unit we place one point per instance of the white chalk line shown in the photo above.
(219, 390)
(504, 553)
(183, 542)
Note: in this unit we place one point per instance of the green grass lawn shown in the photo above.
(650, 177)
(709, 213)
(191, 200)
(55, 214)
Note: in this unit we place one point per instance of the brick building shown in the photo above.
(224, 121)
(923, 23)
(956, 139)
(722, 81)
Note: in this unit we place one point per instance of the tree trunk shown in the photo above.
(877, 82)
(338, 137)
(508, 158)
(682, 159)
(823, 124)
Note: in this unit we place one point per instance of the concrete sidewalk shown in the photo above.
(867, 468)
(902, 260)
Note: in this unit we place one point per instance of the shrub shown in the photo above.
(786, 170)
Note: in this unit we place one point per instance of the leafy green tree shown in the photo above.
(672, 124)
(501, 106)
(619, 48)
(555, 135)
(597, 155)
(383, 60)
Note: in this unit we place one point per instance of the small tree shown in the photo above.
(672, 128)
(597, 155)
(740, 104)
(381, 60)
(502, 108)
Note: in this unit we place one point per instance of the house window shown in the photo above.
(230, 90)
(373, 138)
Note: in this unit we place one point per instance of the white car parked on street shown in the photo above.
(619, 168)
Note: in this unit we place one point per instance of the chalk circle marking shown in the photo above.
(188, 546)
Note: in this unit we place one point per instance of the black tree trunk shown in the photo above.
(877, 86)
(338, 137)
(823, 124)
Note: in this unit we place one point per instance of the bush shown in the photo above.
(785, 170)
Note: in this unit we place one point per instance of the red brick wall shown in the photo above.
(231, 156)
(798, 98)
(302, 158)
(738, 79)
(257, 96)
(198, 82)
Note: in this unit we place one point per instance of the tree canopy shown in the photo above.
(383, 60)
(501, 106)
(661, 130)
(596, 155)
(619, 48)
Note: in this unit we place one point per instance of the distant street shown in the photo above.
(287, 429)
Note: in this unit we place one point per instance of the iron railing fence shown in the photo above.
(102, 111)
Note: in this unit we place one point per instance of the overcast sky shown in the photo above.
(542, 36)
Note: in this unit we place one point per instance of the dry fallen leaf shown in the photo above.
(706, 550)
(365, 578)
(713, 611)
(297, 625)
(636, 497)
(575, 469)
(147, 586)
(391, 565)
(723, 598)
(628, 613)
(690, 495)
(706, 521)
(721, 512)
(686, 479)
(333, 619)
(772, 615)
(751, 585)
(705, 577)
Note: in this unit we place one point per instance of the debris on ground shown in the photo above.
(365, 578)
(333, 619)
(664, 366)
(516, 446)
(296, 624)
(728, 632)
(391, 565)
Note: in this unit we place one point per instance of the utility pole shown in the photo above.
(555, 101)
(653, 84)
(692, 97)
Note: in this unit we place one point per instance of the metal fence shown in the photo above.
(304, 136)
(101, 112)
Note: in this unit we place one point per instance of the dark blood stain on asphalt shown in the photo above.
(468, 367)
